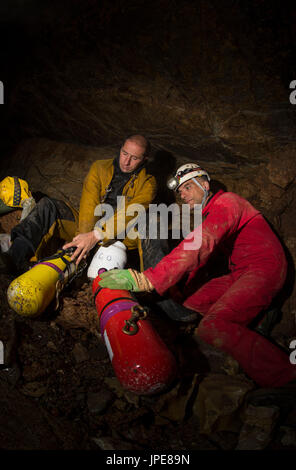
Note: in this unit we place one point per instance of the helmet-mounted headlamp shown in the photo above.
(185, 173)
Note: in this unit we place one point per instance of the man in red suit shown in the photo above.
(228, 303)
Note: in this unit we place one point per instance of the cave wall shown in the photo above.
(204, 80)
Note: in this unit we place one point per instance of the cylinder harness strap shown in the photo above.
(138, 312)
(66, 276)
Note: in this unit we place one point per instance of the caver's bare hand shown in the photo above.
(83, 242)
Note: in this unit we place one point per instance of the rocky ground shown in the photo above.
(58, 390)
(203, 85)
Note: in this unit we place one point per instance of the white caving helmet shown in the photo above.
(187, 172)
(108, 257)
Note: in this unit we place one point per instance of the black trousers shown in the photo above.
(50, 218)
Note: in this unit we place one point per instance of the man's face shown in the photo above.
(191, 193)
(131, 156)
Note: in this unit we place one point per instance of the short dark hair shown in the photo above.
(204, 178)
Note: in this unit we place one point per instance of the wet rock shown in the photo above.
(289, 436)
(121, 405)
(109, 443)
(199, 93)
(172, 406)
(80, 353)
(257, 430)
(218, 361)
(78, 311)
(97, 350)
(104, 443)
(11, 374)
(282, 166)
(91, 370)
(97, 402)
(51, 346)
(132, 398)
(33, 371)
(33, 389)
(218, 402)
(25, 425)
(116, 386)
(57, 166)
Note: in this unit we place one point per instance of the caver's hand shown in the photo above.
(83, 242)
(126, 279)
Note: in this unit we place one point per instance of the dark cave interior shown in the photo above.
(205, 81)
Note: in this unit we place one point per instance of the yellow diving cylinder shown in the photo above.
(30, 294)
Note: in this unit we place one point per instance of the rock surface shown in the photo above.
(203, 85)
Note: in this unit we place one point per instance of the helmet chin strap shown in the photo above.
(206, 192)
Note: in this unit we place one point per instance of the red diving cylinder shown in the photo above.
(142, 362)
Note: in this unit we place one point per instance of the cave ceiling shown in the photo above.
(205, 80)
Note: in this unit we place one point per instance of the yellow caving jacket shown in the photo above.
(140, 189)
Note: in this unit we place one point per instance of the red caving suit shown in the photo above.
(258, 269)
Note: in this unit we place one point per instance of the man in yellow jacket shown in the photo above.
(123, 176)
